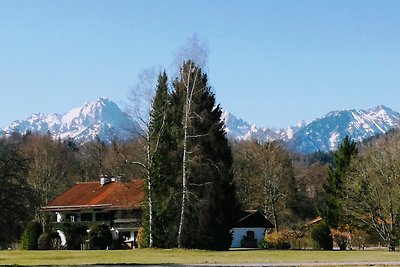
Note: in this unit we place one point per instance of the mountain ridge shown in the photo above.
(326, 133)
(323, 133)
(104, 119)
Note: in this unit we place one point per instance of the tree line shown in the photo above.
(355, 189)
(362, 192)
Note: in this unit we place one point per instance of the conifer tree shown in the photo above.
(161, 170)
(208, 199)
(331, 210)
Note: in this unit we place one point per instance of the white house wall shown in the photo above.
(238, 234)
(60, 217)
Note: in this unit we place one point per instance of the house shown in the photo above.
(107, 201)
(249, 229)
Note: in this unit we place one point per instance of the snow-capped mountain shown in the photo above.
(327, 132)
(239, 129)
(322, 134)
(102, 118)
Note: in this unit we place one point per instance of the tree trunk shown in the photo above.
(149, 195)
(187, 109)
(184, 193)
(275, 214)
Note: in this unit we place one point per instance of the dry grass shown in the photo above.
(174, 256)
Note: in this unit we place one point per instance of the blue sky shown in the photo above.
(271, 63)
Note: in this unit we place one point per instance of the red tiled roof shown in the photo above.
(89, 195)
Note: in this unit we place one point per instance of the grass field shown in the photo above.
(154, 256)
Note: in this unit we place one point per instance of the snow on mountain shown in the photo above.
(322, 134)
(239, 129)
(327, 132)
(102, 118)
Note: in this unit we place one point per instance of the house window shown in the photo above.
(102, 216)
(71, 217)
(86, 217)
(250, 235)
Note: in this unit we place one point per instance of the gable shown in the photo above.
(253, 219)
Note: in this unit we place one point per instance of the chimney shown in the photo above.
(116, 179)
(104, 180)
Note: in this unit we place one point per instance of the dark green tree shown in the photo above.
(17, 199)
(75, 234)
(31, 235)
(332, 210)
(162, 209)
(100, 237)
(208, 199)
(321, 234)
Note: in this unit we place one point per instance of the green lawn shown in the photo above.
(155, 256)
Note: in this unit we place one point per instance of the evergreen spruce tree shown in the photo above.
(161, 170)
(331, 210)
(207, 191)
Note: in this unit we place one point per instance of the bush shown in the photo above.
(100, 237)
(360, 238)
(49, 241)
(31, 235)
(44, 241)
(341, 238)
(321, 234)
(264, 244)
(75, 234)
(277, 240)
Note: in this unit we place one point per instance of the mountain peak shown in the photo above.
(102, 118)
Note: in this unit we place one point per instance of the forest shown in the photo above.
(290, 189)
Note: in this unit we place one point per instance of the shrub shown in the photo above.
(342, 239)
(278, 240)
(360, 238)
(31, 235)
(264, 244)
(303, 242)
(100, 237)
(49, 241)
(75, 234)
(321, 234)
(44, 241)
